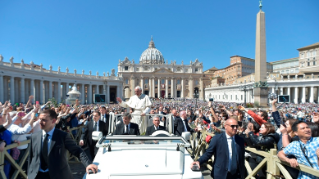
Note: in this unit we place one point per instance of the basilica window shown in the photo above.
(146, 81)
(186, 70)
(126, 81)
(196, 82)
(196, 69)
(308, 63)
(314, 62)
(126, 68)
(178, 81)
(137, 69)
(163, 81)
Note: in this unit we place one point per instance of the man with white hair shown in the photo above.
(141, 104)
(155, 126)
(181, 124)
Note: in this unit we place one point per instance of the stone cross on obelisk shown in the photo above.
(260, 86)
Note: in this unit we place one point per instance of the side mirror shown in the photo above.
(186, 135)
(96, 135)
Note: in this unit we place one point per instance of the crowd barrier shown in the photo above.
(17, 167)
(275, 167)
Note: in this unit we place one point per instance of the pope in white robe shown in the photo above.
(141, 104)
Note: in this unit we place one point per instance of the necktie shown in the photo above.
(185, 123)
(95, 126)
(127, 129)
(233, 166)
(44, 156)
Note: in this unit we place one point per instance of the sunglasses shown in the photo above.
(232, 126)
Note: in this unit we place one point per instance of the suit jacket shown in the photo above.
(88, 130)
(107, 116)
(57, 157)
(134, 130)
(219, 148)
(151, 129)
(179, 126)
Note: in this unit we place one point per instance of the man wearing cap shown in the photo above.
(141, 104)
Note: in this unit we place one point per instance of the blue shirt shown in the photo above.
(310, 150)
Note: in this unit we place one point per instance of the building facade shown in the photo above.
(308, 58)
(158, 78)
(19, 80)
(288, 66)
(239, 66)
(302, 85)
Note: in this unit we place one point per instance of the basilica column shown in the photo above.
(303, 99)
(22, 91)
(82, 94)
(201, 86)
(12, 90)
(90, 94)
(311, 99)
(182, 84)
(50, 89)
(132, 85)
(108, 93)
(142, 84)
(191, 87)
(59, 91)
(41, 92)
(67, 88)
(172, 88)
(97, 89)
(153, 86)
(288, 93)
(281, 90)
(158, 87)
(32, 89)
(296, 95)
(1, 89)
(166, 87)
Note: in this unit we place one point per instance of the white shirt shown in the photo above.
(185, 128)
(156, 128)
(127, 128)
(97, 125)
(20, 134)
(229, 141)
(49, 144)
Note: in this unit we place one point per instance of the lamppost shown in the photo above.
(196, 96)
(244, 88)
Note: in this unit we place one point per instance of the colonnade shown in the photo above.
(174, 87)
(18, 90)
(299, 94)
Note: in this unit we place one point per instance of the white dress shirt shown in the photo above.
(229, 141)
(127, 128)
(185, 128)
(97, 126)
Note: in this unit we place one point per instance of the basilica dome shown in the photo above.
(151, 55)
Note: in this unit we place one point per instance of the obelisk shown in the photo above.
(260, 86)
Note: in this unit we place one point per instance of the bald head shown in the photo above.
(231, 126)
(183, 115)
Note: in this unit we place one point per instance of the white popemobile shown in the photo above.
(161, 155)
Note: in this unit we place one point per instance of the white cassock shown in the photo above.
(140, 105)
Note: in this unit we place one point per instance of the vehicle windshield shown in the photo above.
(143, 141)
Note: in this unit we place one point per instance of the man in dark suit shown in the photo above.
(127, 128)
(93, 125)
(104, 114)
(229, 152)
(155, 127)
(48, 151)
(181, 124)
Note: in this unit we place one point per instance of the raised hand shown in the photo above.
(119, 100)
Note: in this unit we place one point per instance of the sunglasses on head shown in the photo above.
(233, 126)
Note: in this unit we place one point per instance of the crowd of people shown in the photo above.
(291, 128)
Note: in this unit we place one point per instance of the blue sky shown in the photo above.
(94, 35)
